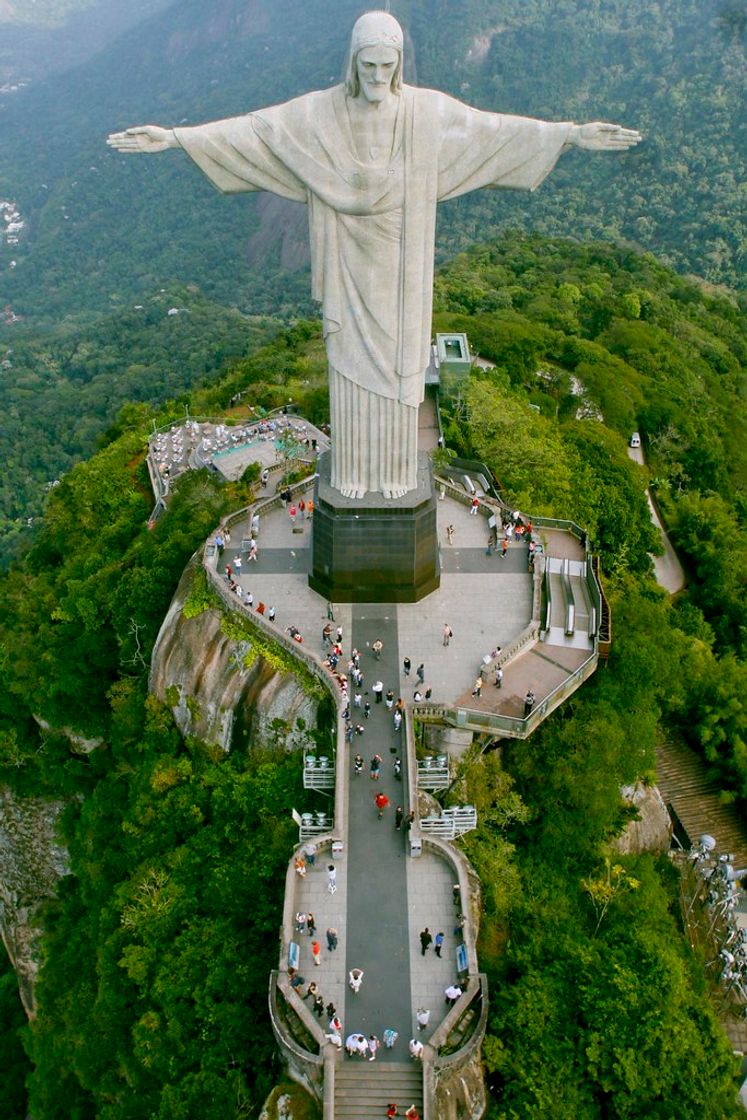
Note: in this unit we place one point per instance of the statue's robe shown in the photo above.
(372, 229)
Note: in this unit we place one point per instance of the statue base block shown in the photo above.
(374, 549)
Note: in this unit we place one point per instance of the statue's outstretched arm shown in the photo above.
(600, 137)
(143, 138)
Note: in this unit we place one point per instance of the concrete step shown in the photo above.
(363, 1089)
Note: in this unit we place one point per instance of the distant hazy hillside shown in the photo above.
(101, 228)
(41, 37)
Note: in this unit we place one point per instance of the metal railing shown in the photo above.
(570, 601)
(450, 823)
(510, 727)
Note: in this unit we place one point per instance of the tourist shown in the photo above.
(447, 634)
(355, 979)
(452, 993)
(381, 801)
(423, 1017)
(415, 1046)
(425, 940)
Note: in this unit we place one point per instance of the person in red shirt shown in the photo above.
(381, 801)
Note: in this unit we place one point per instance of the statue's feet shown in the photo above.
(399, 493)
(351, 492)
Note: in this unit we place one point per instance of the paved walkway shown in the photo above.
(668, 570)
(487, 601)
(383, 898)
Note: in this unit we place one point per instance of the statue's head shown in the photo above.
(376, 38)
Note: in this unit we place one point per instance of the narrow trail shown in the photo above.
(669, 572)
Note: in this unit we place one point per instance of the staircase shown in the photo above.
(694, 796)
(363, 1089)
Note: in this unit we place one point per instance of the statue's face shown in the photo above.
(376, 66)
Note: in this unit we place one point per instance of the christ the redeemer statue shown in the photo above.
(371, 158)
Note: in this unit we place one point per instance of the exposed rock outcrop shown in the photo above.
(652, 832)
(32, 863)
(199, 672)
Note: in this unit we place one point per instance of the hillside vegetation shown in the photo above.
(61, 389)
(153, 987)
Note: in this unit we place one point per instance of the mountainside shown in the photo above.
(42, 37)
(99, 228)
(151, 995)
(61, 389)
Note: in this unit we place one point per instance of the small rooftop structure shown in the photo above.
(450, 361)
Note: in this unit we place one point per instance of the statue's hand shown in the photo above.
(600, 137)
(144, 138)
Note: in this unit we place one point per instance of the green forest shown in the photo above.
(157, 945)
(60, 390)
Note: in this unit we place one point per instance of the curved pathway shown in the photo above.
(669, 572)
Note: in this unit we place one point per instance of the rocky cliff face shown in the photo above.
(32, 862)
(652, 831)
(198, 671)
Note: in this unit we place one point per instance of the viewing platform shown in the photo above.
(389, 885)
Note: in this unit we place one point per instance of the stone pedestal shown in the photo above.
(374, 550)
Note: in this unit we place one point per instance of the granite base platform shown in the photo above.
(374, 550)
